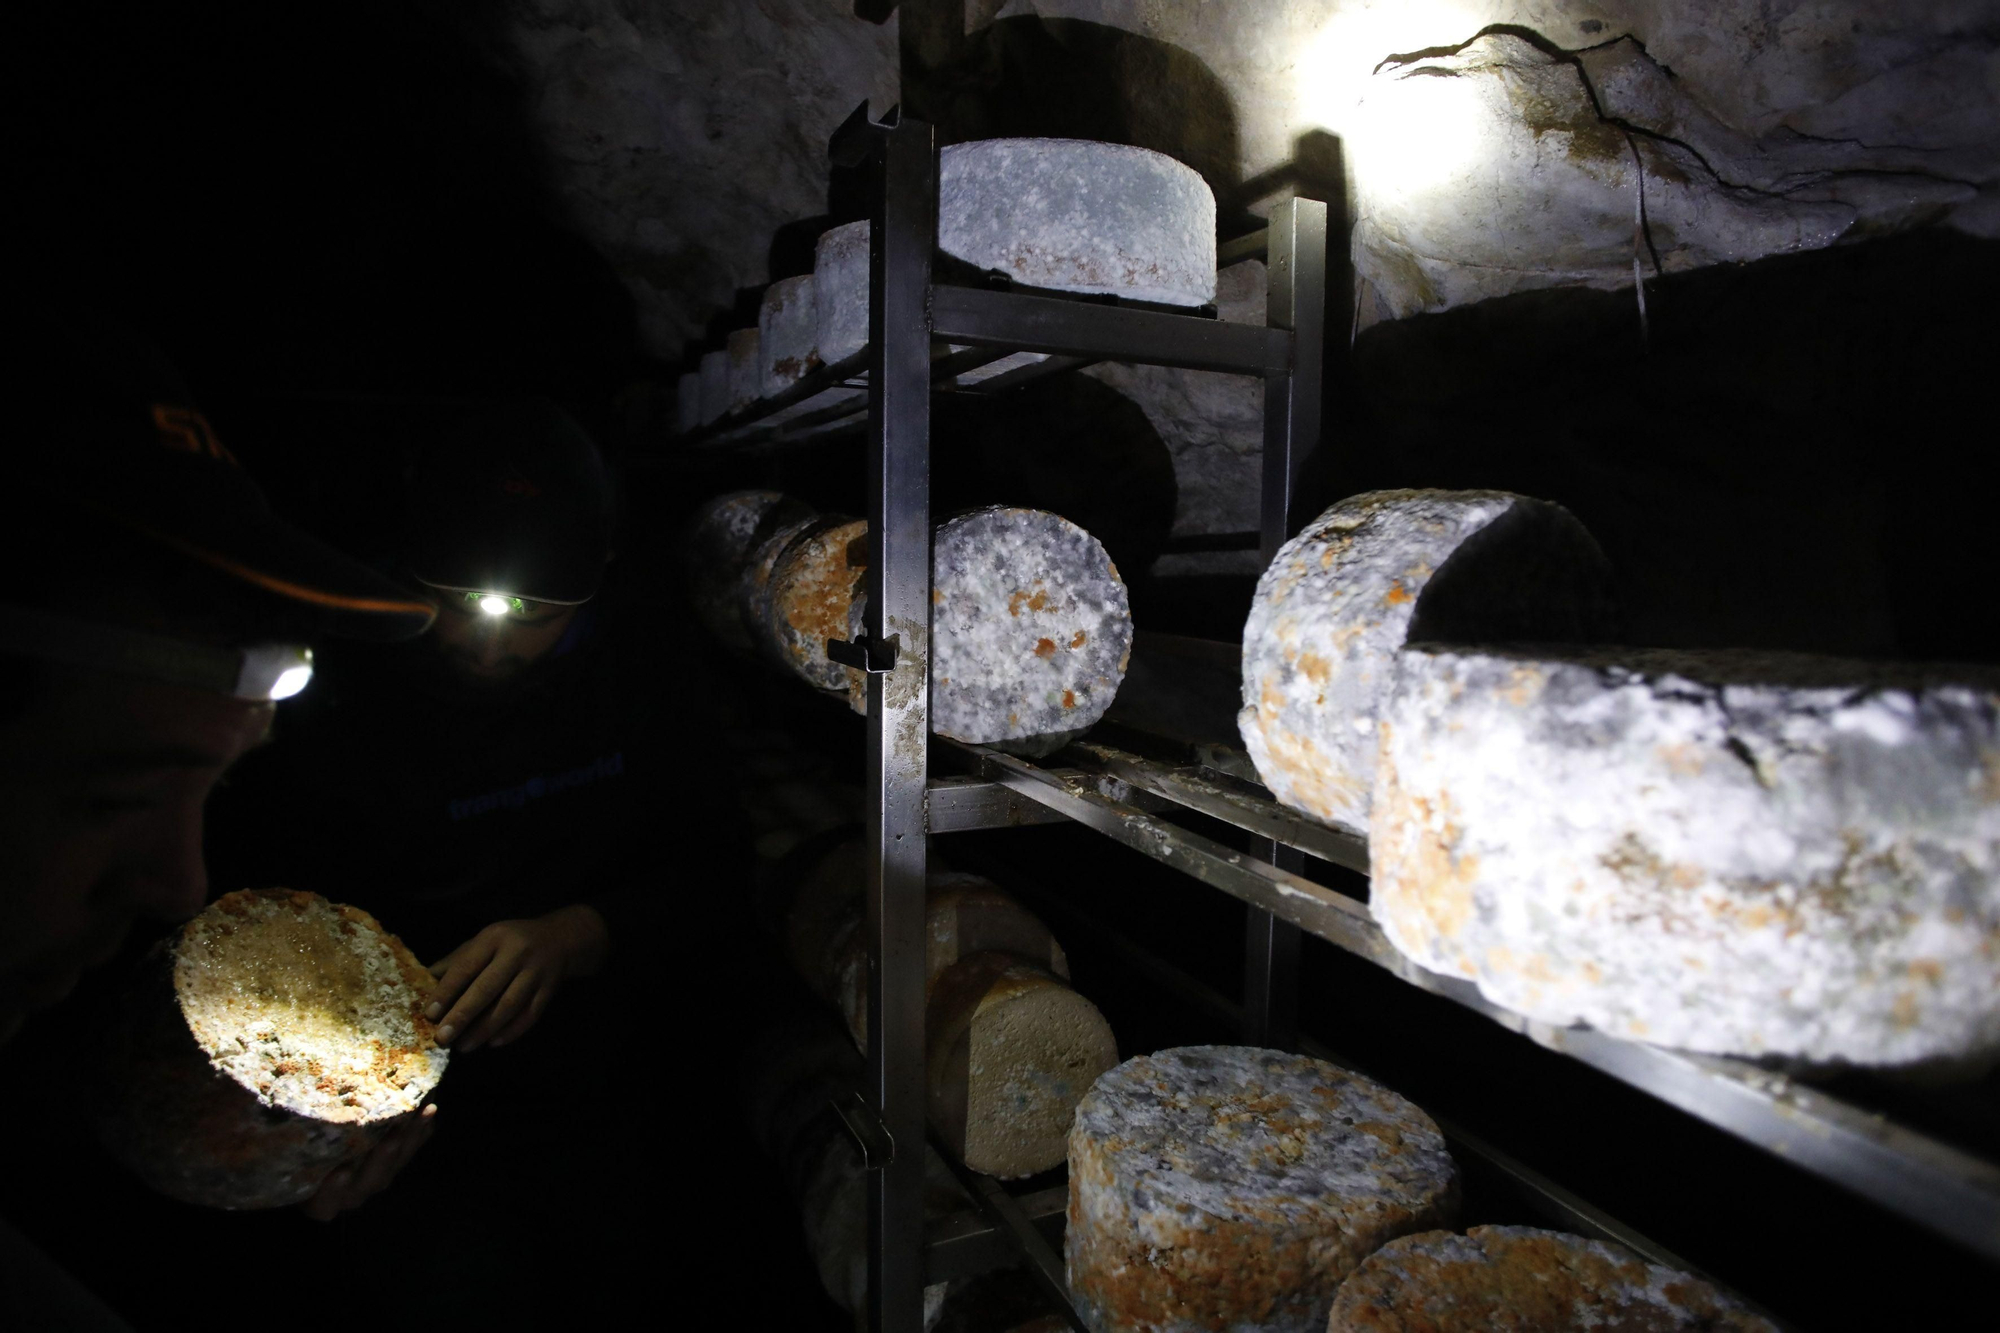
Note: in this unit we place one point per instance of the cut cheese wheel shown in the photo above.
(292, 1037)
(715, 398)
(687, 403)
(1225, 1187)
(840, 292)
(788, 333)
(963, 914)
(1031, 628)
(1106, 219)
(1524, 1280)
(1011, 1049)
(1728, 852)
(716, 555)
(816, 594)
(1372, 572)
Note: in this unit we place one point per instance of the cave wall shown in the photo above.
(1503, 171)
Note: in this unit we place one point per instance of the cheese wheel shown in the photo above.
(1106, 219)
(746, 368)
(816, 594)
(840, 291)
(834, 1210)
(1525, 1280)
(717, 550)
(963, 914)
(1747, 853)
(292, 1037)
(788, 333)
(1226, 1187)
(715, 398)
(1010, 1050)
(687, 403)
(1372, 572)
(1031, 628)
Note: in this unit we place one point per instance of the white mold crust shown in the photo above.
(1755, 854)
(1031, 628)
(1068, 214)
(309, 1005)
(1525, 1280)
(1341, 598)
(1227, 1187)
(788, 333)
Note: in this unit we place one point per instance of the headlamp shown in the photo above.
(496, 603)
(261, 673)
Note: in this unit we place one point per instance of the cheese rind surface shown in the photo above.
(840, 291)
(1525, 1280)
(1101, 218)
(788, 333)
(1730, 852)
(1031, 628)
(1372, 572)
(1227, 1187)
(717, 550)
(272, 1039)
(816, 594)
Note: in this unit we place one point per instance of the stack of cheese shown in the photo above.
(1010, 1048)
(1732, 852)
(291, 1037)
(1225, 1187)
(1031, 629)
(1503, 1279)
(1060, 214)
(795, 1071)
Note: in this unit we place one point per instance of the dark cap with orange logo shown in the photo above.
(514, 500)
(120, 439)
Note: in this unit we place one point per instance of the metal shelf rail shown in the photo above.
(908, 317)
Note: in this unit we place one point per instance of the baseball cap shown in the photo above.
(514, 499)
(114, 436)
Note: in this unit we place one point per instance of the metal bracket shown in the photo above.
(878, 1149)
(877, 657)
(857, 136)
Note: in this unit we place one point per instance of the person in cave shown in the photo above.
(475, 790)
(158, 613)
(494, 795)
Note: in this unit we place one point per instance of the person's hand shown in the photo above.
(493, 987)
(352, 1185)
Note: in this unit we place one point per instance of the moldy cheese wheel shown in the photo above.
(1525, 1280)
(1378, 570)
(1733, 852)
(1226, 1187)
(292, 1036)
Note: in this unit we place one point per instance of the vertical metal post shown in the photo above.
(1296, 263)
(899, 608)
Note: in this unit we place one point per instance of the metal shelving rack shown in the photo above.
(1128, 796)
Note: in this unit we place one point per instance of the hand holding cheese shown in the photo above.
(495, 986)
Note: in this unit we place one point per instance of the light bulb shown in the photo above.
(494, 605)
